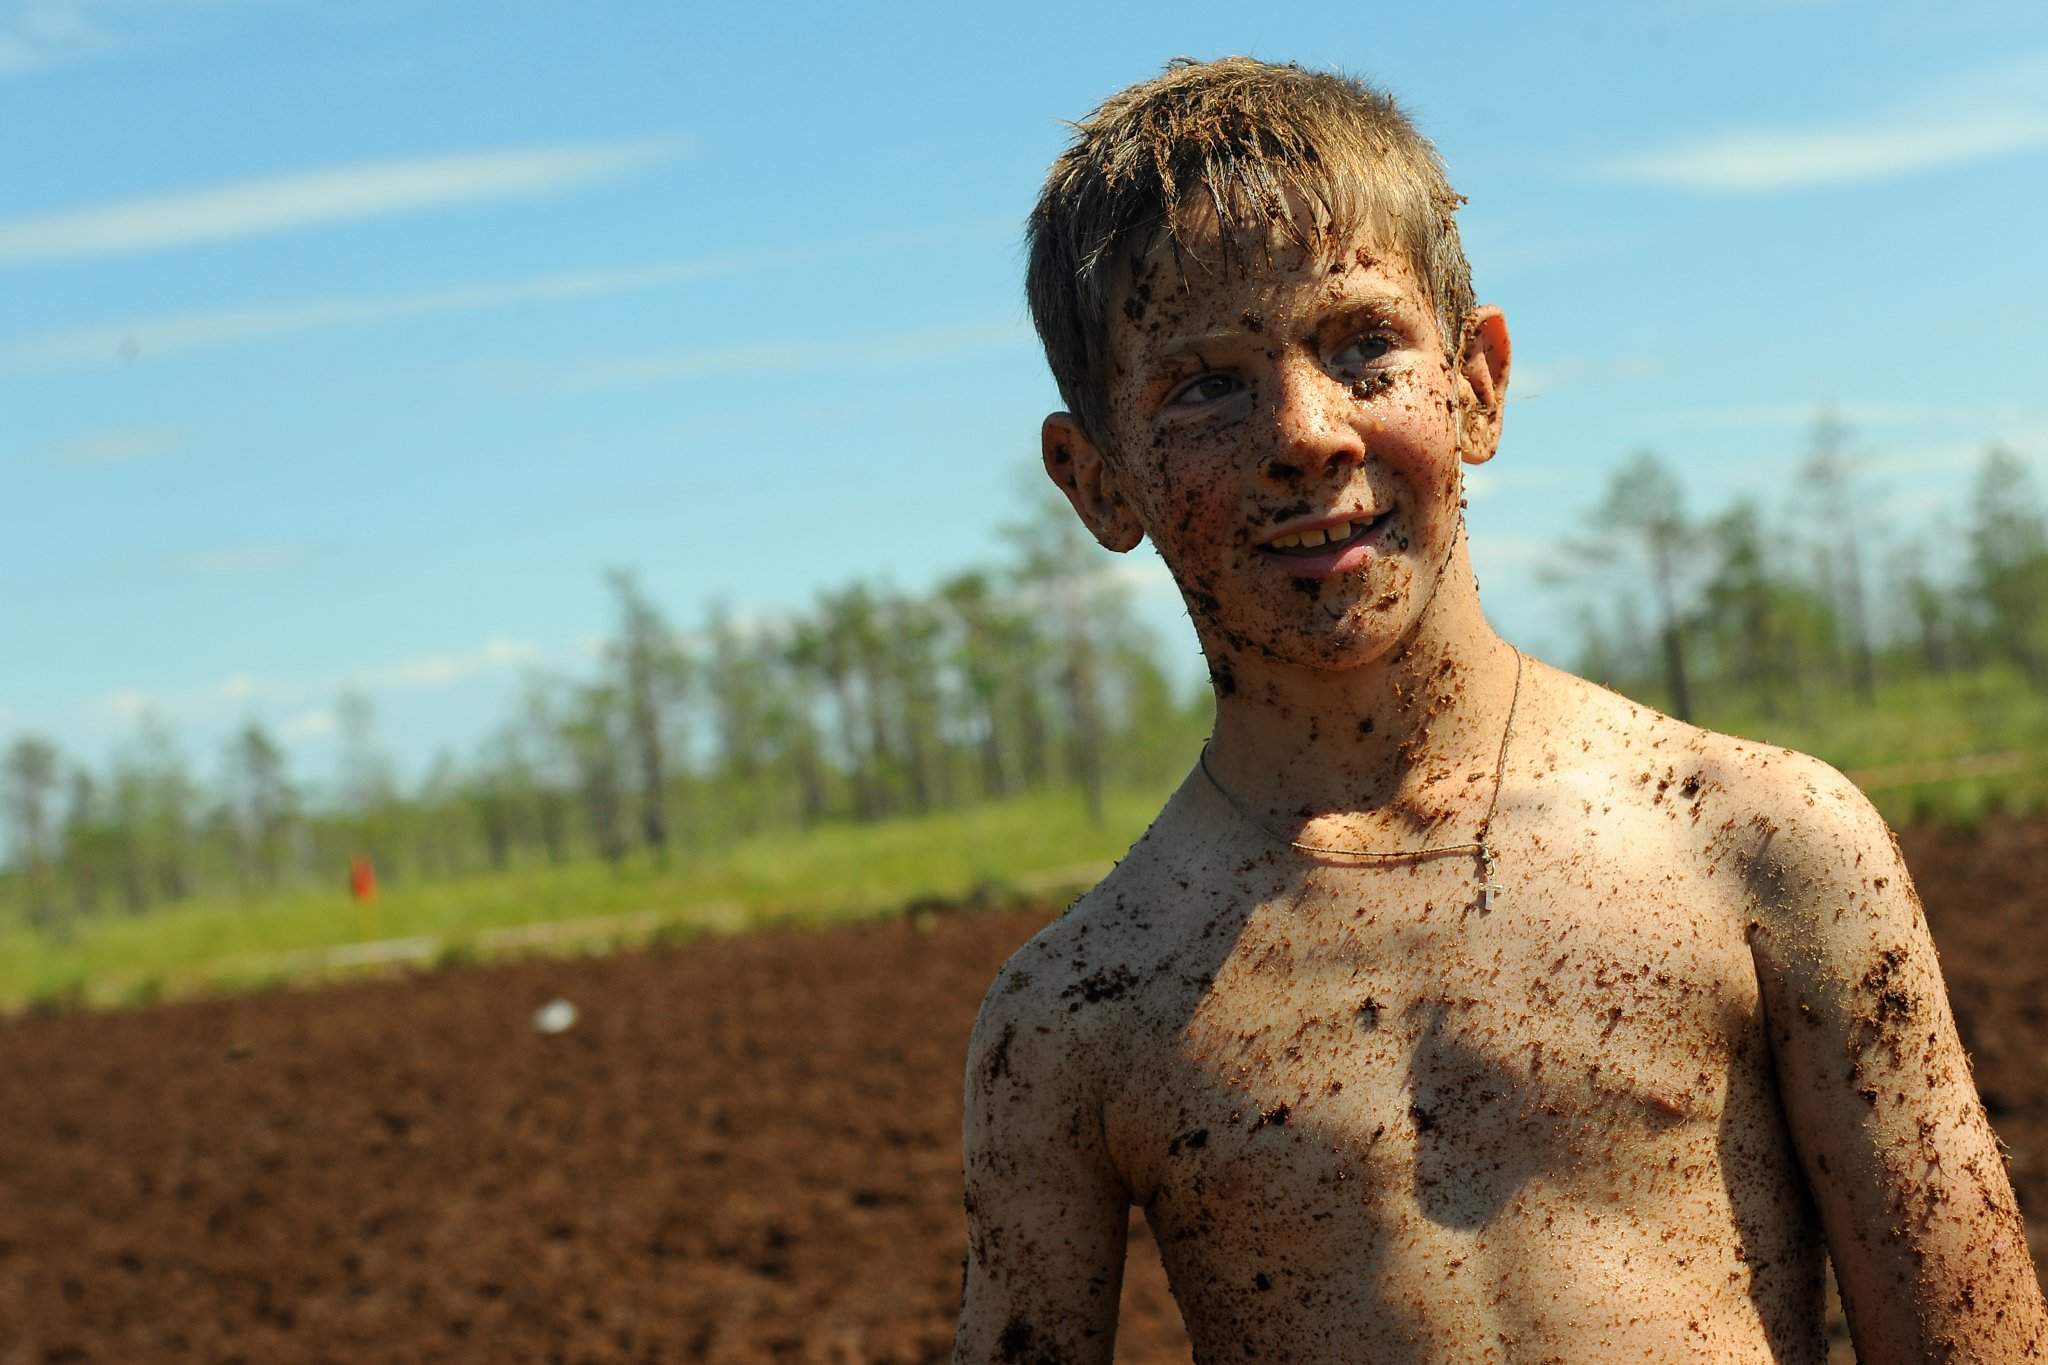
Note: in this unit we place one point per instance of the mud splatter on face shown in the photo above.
(1224, 458)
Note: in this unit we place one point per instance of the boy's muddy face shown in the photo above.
(1288, 434)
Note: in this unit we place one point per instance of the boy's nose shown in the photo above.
(1315, 419)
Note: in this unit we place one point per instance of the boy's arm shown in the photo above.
(1046, 1211)
(1926, 1238)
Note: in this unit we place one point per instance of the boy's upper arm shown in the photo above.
(1921, 1223)
(1046, 1211)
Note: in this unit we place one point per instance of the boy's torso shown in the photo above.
(1368, 1120)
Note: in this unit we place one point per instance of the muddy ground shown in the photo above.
(743, 1151)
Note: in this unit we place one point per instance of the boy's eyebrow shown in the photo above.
(1197, 340)
(1384, 300)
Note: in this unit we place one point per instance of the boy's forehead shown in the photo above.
(1192, 281)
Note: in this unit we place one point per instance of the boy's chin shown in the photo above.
(1324, 625)
(1341, 653)
(1356, 640)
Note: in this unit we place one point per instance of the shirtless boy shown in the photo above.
(1454, 1009)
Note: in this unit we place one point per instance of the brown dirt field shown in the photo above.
(746, 1150)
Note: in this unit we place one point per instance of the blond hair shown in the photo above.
(1238, 148)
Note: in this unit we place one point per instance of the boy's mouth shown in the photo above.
(1320, 542)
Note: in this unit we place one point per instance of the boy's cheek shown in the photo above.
(1183, 534)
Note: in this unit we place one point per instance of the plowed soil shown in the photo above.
(744, 1150)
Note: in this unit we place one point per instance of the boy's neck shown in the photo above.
(1401, 733)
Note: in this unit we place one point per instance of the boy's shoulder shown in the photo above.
(1048, 1022)
(1726, 792)
(1083, 958)
(1077, 981)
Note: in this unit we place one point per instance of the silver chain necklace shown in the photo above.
(1483, 845)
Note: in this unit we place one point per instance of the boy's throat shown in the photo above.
(1479, 845)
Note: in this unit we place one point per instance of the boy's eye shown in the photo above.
(1203, 388)
(1360, 352)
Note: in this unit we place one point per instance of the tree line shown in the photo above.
(1781, 611)
(1025, 675)
(1021, 676)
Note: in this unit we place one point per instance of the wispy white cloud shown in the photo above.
(887, 350)
(1999, 111)
(35, 34)
(280, 203)
(128, 705)
(305, 700)
(38, 33)
(445, 669)
(316, 723)
(423, 672)
(176, 333)
(1788, 159)
(234, 561)
(114, 446)
(131, 339)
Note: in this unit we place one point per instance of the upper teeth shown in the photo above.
(1313, 538)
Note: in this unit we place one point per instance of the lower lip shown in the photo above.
(1343, 559)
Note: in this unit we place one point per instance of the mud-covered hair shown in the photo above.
(1213, 157)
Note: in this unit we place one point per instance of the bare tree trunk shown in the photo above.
(652, 670)
(991, 748)
(1031, 736)
(810, 775)
(553, 814)
(1674, 638)
(1086, 710)
(1828, 472)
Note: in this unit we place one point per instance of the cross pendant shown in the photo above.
(1488, 886)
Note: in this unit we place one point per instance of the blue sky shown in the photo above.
(343, 344)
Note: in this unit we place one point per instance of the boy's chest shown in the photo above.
(1384, 1030)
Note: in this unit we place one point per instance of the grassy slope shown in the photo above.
(842, 869)
(1898, 747)
(835, 871)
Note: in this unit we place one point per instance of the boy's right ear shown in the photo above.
(1090, 482)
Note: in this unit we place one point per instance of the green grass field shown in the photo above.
(1909, 750)
(1042, 844)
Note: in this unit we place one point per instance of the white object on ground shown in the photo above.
(557, 1016)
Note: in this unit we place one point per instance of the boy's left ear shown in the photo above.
(1482, 384)
(1090, 482)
